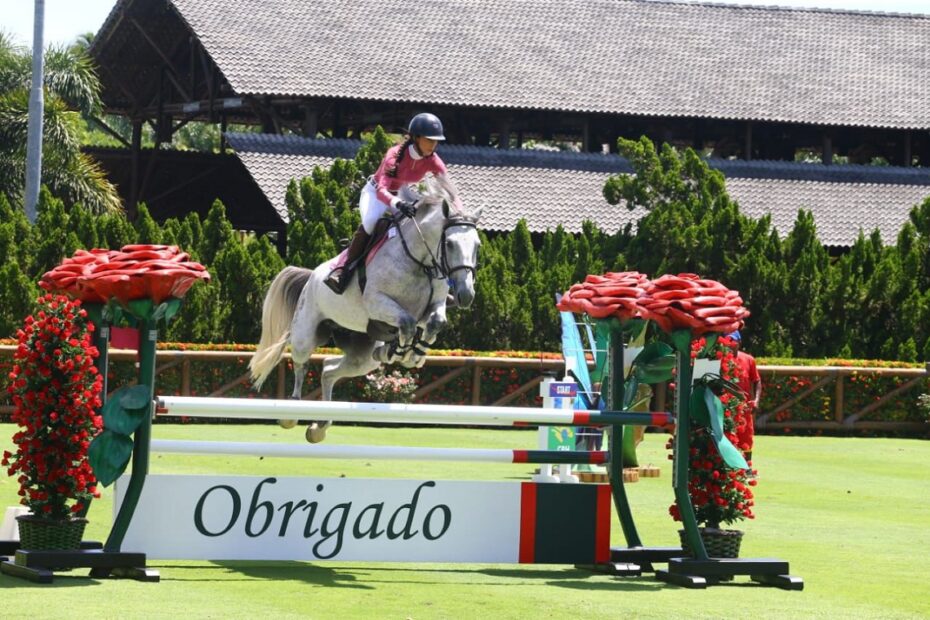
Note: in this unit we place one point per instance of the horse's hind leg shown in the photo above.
(355, 362)
(304, 336)
(300, 373)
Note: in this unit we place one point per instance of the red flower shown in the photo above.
(155, 272)
(54, 406)
(686, 301)
(612, 294)
(719, 494)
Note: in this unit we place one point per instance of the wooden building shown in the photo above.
(735, 82)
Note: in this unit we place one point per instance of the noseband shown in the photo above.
(448, 271)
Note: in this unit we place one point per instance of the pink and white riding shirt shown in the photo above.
(412, 168)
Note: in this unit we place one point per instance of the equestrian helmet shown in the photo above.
(426, 125)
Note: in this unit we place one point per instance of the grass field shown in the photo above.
(851, 515)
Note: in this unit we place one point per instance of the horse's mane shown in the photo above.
(433, 192)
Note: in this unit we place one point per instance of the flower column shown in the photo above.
(141, 285)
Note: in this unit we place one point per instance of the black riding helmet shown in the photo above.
(426, 125)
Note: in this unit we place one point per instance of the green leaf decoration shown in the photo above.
(655, 363)
(167, 309)
(652, 351)
(634, 329)
(699, 411)
(711, 341)
(141, 308)
(641, 399)
(135, 396)
(602, 338)
(108, 455)
(126, 409)
(630, 387)
(731, 456)
(112, 313)
(681, 340)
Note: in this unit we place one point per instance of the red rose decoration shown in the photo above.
(600, 297)
(687, 301)
(155, 272)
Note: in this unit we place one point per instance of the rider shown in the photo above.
(403, 164)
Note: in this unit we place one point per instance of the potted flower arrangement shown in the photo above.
(720, 495)
(396, 386)
(55, 389)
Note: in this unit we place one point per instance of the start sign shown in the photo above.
(563, 390)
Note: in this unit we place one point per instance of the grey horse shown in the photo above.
(399, 314)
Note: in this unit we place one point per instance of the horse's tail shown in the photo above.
(277, 314)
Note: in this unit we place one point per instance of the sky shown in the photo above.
(65, 20)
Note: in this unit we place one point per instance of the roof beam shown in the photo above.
(102, 124)
(173, 74)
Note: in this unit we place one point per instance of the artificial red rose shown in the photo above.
(687, 301)
(155, 272)
(613, 294)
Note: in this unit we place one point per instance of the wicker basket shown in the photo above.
(718, 543)
(38, 534)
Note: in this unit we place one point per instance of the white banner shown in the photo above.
(255, 518)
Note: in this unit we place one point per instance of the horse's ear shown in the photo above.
(476, 215)
(445, 209)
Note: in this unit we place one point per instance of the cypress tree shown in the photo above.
(217, 232)
(147, 229)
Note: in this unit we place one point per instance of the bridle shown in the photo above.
(433, 268)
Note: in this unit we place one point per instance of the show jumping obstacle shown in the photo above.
(221, 517)
(519, 522)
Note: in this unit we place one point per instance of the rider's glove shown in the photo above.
(409, 209)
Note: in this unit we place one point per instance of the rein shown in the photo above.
(435, 269)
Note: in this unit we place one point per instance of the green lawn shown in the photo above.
(851, 515)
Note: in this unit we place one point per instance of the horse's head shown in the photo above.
(459, 238)
(460, 253)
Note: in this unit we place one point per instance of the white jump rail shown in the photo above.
(394, 453)
(337, 411)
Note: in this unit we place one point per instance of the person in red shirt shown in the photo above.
(404, 164)
(750, 384)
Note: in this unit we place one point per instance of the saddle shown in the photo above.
(375, 242)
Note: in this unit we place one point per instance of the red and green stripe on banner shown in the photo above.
(564, 523)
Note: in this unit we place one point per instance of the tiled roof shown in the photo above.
(552, 188)
(635, 57)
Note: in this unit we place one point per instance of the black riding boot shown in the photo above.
(339, 278)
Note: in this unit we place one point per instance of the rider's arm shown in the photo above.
(383, 181)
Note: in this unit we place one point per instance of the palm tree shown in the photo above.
(71, 89)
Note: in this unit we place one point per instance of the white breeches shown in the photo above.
(371, 207)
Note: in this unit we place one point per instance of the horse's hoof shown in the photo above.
(316, 432)
(288, 424)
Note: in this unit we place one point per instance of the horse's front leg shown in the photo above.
(435, 323)
(383, 308)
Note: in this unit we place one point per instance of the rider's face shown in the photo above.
(425, 146)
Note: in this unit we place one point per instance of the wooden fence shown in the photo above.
(843, 419)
